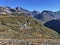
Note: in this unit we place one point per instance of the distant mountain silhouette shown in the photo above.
(17, 10)
(47, 15)
(35, 12)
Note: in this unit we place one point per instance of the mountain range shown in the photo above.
(43, 16)
(20, 20)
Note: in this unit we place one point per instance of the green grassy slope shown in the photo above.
(23, 27)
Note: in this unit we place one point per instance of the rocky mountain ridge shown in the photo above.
(43, 16)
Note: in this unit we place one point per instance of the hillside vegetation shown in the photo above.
(23, 27)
